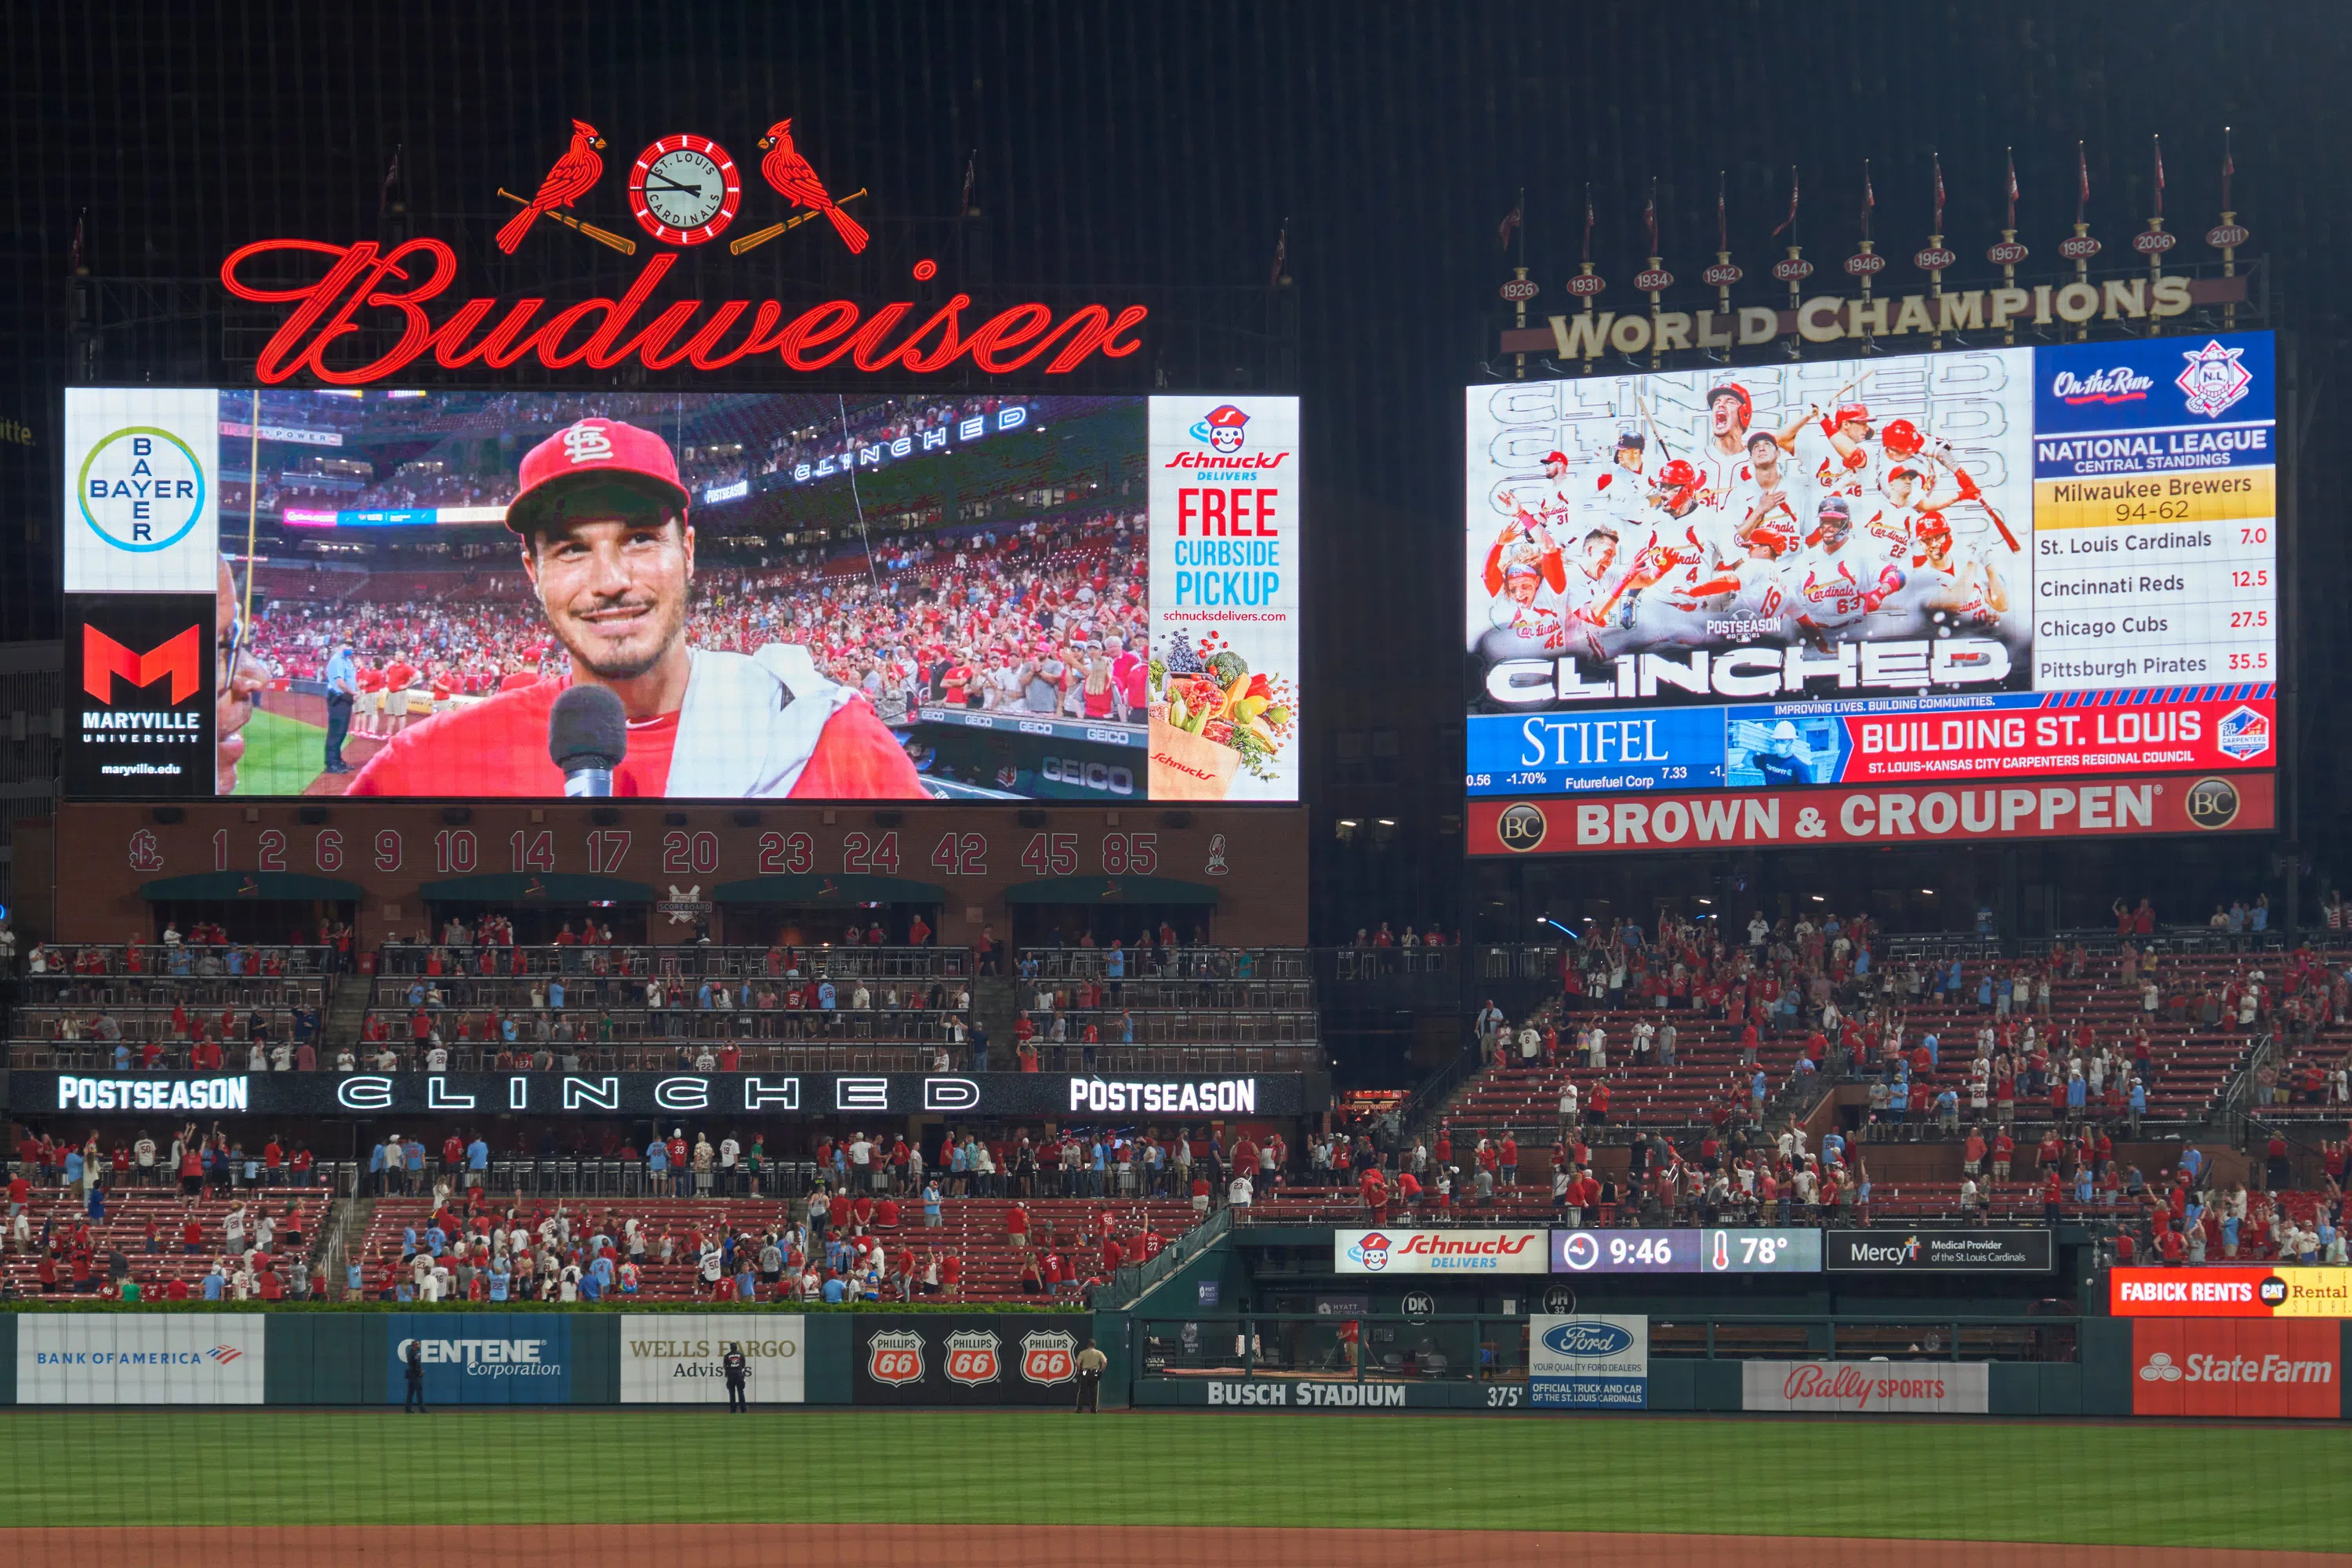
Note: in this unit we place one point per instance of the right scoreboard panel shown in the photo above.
(2155, 515)
(1990, 593)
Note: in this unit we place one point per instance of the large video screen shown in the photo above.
(1983, 566)
(686, 595)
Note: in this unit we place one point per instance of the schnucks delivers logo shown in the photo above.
(2213, 379)
(2121, 384)
(1584, 1339)
(1372, 1252)
(1221, 427)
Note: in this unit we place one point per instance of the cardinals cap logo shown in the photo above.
(587, 443)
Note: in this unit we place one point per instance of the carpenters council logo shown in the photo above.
(141, 489)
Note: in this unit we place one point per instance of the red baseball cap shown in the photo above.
(596, 468)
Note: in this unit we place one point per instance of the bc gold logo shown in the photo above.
(1521, 828)
(2212, 803)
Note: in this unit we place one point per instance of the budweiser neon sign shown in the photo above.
(366, 288)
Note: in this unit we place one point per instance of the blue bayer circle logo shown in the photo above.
(141, 489)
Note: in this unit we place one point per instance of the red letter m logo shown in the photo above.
(103, 658)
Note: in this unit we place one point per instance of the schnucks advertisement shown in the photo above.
(1225, 568)
(679, 1358)
(140, 1358)
(1866, 1387)
(2245, 1369)
(480, 1358)
(1440, 1252)
(1007, 1358)
(1986, 565)
(979, 596)
(1591, 1363)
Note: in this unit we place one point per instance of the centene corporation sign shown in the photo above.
(365, 289)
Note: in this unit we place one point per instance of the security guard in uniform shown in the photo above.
(1091, 1363)
(738, 1372)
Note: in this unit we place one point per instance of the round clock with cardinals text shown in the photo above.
(685, 189)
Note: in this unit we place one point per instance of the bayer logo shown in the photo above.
(141, 489)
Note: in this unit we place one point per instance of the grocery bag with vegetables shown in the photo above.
(1212, 717)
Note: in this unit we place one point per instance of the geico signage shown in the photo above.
(1231, 1095)
(484, 1358)
(2247, 1368)
(152, 1094)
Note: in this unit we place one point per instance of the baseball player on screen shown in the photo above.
(608, 549)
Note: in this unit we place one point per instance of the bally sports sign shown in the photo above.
(1441, 1251)
(1866, 1387)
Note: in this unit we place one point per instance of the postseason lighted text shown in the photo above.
(1932, 569)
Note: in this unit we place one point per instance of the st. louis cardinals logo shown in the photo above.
(895, 1356)
(587, 442)
(146, 854)
(973, 1357)
(1049, 1356)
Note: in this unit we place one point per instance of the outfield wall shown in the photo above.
(2146, 1367)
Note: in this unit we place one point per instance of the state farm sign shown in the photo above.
(1872, 1387)
(2247, 1368)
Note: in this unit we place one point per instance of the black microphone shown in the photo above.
(587, 735)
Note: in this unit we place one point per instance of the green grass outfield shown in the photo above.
(282, 755)
(2117, 1483)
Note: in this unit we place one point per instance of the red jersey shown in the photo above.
(498, 747)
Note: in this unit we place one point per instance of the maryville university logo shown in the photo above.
(180, 658)
(1049, 1356)
(973, 1357)
(894, 1357)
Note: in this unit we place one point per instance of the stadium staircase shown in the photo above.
(346, 1017)
(996, 1005)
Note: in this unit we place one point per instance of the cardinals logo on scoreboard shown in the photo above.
(895, 1356)
(1049, 1356)
(973, 1357)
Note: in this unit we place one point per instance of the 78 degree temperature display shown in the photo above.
(1686, 1252)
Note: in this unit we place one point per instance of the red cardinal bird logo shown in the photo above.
(574, 176)
(794, 181)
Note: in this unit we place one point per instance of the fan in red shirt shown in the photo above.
(608, 549)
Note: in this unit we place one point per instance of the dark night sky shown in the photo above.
(1121, 144)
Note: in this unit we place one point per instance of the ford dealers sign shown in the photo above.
(1591, 1362)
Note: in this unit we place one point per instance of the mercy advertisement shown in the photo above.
(1987, 563)
(981, 597)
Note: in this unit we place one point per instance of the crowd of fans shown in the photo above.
(1046, 617)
